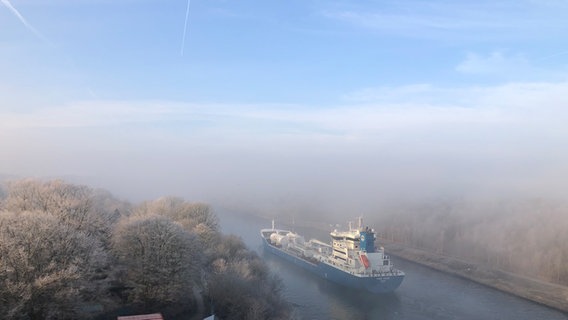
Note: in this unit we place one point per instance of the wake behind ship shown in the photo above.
(351, 260)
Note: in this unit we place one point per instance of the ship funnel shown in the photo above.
(367, 240)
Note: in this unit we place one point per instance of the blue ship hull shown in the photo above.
(376, 284)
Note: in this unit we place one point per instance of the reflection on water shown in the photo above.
(424, 293)
(350, 304)
(317, 298)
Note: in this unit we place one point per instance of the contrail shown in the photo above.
(23, 20)
(184, 26)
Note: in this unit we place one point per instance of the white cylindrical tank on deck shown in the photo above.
(275, 238)
(278, 239)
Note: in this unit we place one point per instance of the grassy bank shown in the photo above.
(551, 295)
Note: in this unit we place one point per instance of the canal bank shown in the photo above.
(548, 294)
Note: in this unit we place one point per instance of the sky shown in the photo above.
(317, 105)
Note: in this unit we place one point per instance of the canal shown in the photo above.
(424, 293)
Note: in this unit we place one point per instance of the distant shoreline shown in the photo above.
(548, 294)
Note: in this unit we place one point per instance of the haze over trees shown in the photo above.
(523, 236)
(514, 233)
(69, 252)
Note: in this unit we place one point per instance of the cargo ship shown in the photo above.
(351, 259)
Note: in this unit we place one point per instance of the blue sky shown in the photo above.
(440, 94)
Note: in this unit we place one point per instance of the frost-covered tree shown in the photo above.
(241, 286)
(45, 266)
(65, 247)
(92, 211)
(195, 217)
(162, 261)
(54, 242)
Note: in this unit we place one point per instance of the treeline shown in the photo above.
(72, 252)
(527, 237)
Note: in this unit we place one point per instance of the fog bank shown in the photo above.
(417, 142)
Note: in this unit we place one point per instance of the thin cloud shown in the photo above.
(504, 65)
(409, 22)
(18, 15)
(495, 63)
(456, 20)
(370, 111)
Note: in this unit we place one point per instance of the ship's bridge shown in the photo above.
(344, 244)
